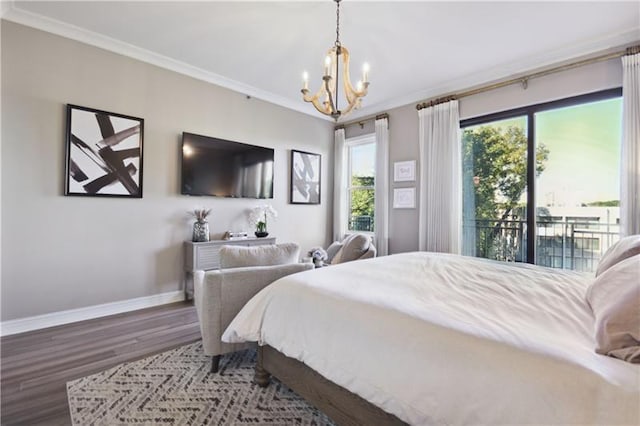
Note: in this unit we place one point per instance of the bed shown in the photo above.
(425, 338)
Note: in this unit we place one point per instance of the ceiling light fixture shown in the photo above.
(337, 57)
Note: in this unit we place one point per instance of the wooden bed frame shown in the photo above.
(344, 407)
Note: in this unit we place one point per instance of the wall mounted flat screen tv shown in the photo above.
(221, 168)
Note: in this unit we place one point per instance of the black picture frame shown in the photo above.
(103, 153)
(306, 177)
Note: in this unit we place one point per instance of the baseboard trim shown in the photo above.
(90, 312)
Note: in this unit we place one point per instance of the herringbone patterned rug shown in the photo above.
(176, 388)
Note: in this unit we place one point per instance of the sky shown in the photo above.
(364, 159)
(584, 153)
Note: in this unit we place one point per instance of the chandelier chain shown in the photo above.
(337, 22)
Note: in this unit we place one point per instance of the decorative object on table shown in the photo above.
(305, 177)
(258, 218)
(404, 198)
(326, 99)
(319, 255)
(201, 225)
(167, 385)
(103, 153)
(239, 235)
(404, 171)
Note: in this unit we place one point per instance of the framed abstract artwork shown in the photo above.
(305, 178)
(104, 153)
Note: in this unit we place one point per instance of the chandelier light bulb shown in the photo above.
(327, 65)
(365, 72)
(305, 80)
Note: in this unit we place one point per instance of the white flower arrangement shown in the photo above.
(258, 216)
(318, 253)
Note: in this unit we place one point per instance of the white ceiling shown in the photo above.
(416, 50)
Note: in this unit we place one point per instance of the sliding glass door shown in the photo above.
(494, 207)
(578, 195)
(541, 183)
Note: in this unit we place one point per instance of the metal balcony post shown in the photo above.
(573, 245)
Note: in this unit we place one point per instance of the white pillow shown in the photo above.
(332, 250)
(353, 247)
(264, 255)
(626, 247)
(614, 298)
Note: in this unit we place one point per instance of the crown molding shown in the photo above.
(507, 70)
(11, 12)
(5, 7)
(63, 29)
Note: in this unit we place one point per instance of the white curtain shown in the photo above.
(339, 187)
(381, 224)
(630, 163)
(440, 178)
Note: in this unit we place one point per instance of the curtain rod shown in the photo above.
(524, 81)
(361, 122)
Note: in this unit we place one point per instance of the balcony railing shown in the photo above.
(566, 243)
(361, 223)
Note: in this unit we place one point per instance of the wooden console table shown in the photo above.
(206, 256)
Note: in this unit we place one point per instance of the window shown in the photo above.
(361, 166)
(494, 156)
(541, 184)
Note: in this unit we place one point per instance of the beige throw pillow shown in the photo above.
(332, 250)
(353, 247)
(614, 297)
(626, 247)
(267, 255)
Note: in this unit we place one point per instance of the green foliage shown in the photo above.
(495, 178)
(362, 202)
(609, 203)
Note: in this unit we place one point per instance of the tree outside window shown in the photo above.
(495, 185)
(361, 178)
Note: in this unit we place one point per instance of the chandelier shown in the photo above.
(337, 57)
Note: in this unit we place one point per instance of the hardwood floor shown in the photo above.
(37, 365)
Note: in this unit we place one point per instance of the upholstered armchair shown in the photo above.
(220, 294)
(352, 247)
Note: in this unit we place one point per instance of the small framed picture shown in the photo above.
(104, 153)
(404, 171)
(305, 177)
(404, 198)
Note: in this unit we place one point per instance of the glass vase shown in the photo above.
(200, 231)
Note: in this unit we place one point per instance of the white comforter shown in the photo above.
(442, 339)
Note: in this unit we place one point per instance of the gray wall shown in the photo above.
(403, 129)
(62, 252)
